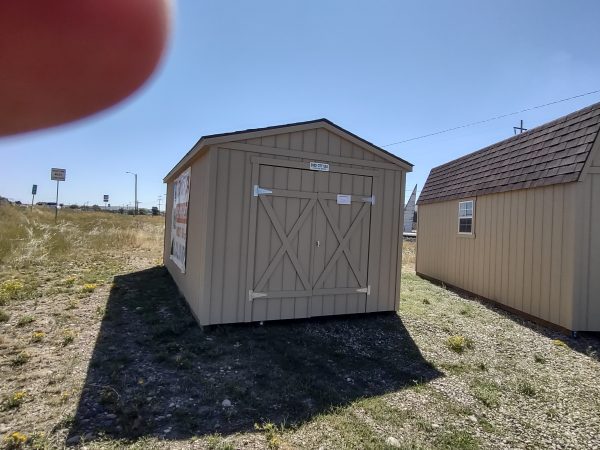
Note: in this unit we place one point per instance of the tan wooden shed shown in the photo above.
(285, 222)
(518, 222)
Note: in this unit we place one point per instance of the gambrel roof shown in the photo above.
(553, 153)
(214, 139)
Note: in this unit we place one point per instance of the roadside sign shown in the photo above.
(34, 189)
(105, 198)
(58, 174)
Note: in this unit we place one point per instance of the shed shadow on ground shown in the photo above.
(155, 372)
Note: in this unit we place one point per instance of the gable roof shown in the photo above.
(220, 138)
(553, 153)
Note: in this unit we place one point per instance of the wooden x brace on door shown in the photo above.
(286, 245)
(343, 244)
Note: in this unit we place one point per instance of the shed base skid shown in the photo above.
(316, 319)
(487, 301)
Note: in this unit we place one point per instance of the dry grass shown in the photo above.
(409, 255)
(123, 365)
(31, 238)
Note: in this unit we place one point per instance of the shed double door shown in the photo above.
(309, 237)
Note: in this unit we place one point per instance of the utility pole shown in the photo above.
(159, 201)
(135, 206)
(521, 129)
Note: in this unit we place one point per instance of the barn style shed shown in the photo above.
(518, 222)
(285, 222)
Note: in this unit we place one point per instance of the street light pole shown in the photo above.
(135, 207)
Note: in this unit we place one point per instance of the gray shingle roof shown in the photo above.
(552, 153)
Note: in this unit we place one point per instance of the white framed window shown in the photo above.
(465, 217)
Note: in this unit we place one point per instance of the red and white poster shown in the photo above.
(179, 218)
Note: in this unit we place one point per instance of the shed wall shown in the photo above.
(190, 283)
(522, 253)
(229, 210)
(588, 254)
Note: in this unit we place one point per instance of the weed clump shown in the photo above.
(69, 281)
(37, 336)
(271, 433)
(100, 310)
(14, 400)
(216, 442)
(64, 396)
(68, 337)
(466, 311)
(527, 389)
(560, 343)
(25, 320)
(73, 304)
(539, 359)
(89, 287)
(20, 359)
(15, 440)
(4, 316)
(459, 343)
(11, 290)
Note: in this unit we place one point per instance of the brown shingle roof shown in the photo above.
(552, 153)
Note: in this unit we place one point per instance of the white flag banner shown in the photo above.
(179, 217)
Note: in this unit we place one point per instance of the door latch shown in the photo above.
(366, 290)
(252, 295)
(370, 199)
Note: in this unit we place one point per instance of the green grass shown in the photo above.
(457, 440)
(25, 320)
(487, 392)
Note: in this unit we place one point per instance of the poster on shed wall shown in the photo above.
(179, 217)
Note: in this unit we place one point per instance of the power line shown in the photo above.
(492, 118)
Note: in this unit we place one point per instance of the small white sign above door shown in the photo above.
(344, 199)
(321, 167)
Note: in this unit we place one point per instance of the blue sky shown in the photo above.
(385, 70)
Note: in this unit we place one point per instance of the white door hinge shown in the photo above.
(366, 290)
(260, 191)
(370, 199)
(252, 295)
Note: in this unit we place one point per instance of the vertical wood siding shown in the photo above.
(522, 254)
(228, 209)
(588, 254)
(191, 282)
